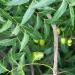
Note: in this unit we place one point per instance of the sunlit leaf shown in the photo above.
(43, 3)
(24, 41)
(6, 26)
(72, 15)
(28, 13)
(60, 11)
(16, 2)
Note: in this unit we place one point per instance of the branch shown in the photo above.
(55, 65)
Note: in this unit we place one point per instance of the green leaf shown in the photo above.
(16, 30)
(72, 15)
(4, 14)
(43, 3)
(7, 42)
(2, 68)
(60, 11)
(28, 13)
(24, 41)
(71, 2)
(33, 33)
(22, 60)
(20, 70)
(16, 2)
(38, 23)
(46, 30)
(12, 55)
(1, 19)
(6, 26)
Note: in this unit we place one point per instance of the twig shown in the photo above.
(55, 65)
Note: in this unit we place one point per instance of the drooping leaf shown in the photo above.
(46, 30)
(60, 11)
(16, 2)
(6, 26)
(72, 15)
(38, 23)
(28, 13)
(24, 41)
(43, 3)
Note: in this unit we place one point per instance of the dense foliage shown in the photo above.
(26, 36)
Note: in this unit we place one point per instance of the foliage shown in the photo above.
(26, 36)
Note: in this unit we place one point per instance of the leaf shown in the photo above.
(1, 19)
(28, 13)
(33, 33)
(16, 30)
(22, 60)
(7, 42)
(2, 68)
(60, 11)
(24, 41)
(46, 30)
(4, 14)
(43, 3)
(6, 26)
(12, 55)
(72, 15)
(71, 2)
(16, 2)
(38, 23)
(20, 70)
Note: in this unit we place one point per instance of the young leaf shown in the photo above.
(28, 13)
(16, 2)
(60, 11)
(72, 15)
(6, 26)
(24, 41)
(43, 3)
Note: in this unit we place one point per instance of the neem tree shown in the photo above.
(36, 33)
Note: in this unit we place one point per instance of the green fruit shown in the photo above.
(41, 42)
(63, 40)
(36, 41)
(69, 42)
(37, 55)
